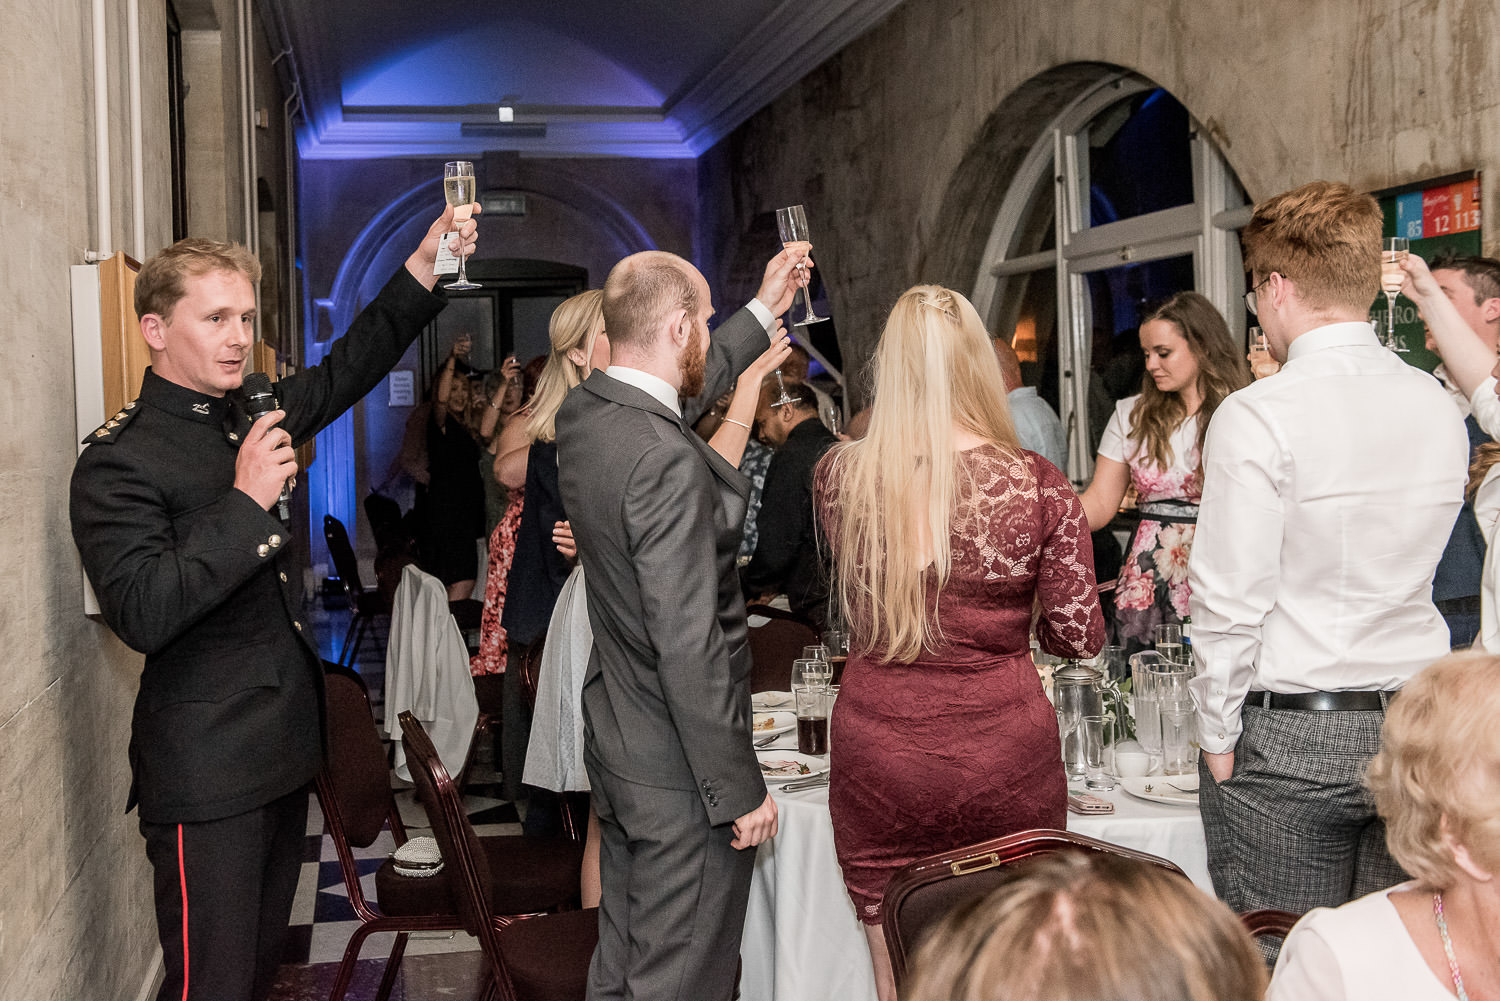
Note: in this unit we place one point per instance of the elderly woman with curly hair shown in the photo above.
(1436, 782)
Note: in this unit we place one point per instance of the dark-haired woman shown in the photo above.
(1154, 441)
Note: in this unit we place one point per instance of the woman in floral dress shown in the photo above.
(1154, 441)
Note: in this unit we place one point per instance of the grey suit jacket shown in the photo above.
(658, 517)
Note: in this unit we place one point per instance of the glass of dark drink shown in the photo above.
(812, 721)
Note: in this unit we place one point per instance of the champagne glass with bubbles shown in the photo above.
(796, 237)
(1392, 276)
(458, 189)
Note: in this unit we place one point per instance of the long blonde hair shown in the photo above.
(573, 325)
(934, 371)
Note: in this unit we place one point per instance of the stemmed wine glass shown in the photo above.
(1392, 276)
(784, 397)
(458, 189)
(795, 236)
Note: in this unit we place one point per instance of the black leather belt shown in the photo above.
(1322, 701)
(1458, 606)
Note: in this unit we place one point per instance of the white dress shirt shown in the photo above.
(652, 385)
(1487, 513)
(1485, 406)
(1329, 493)
(1358, 952)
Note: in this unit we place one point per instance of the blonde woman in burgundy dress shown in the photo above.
(947, 535)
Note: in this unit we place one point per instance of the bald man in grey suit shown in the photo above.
(657, 516)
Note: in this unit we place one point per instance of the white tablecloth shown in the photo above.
(1174, 833)
(802, 940)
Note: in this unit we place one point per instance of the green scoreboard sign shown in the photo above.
(1441, 219)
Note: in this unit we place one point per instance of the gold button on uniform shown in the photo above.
(233, 436)
(298, 625)
(283, 576)
(275, 541)
(263, 550)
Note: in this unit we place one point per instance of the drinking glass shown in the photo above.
(836, 640)
(808, 673)
(812, 721)
(1169, 642)
(795, 236)
(1178, 719)
(1392, 276)
(1068, 726)
(783, 397)
(1112, 664)
(1261, 362)
(1096, 734)
(458, 190)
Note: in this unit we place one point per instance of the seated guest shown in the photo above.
(1460, 303)
(1436, 782)
(1037, 425)
(795, 369)
(1075, 926)
(947, 535)
(788, 558)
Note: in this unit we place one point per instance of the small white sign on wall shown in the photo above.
(403, 383)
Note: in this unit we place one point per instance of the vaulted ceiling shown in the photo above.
(648, 78)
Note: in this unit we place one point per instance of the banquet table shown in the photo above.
(802, 940)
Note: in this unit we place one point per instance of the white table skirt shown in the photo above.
(802, 940)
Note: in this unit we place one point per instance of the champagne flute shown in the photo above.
(784, 398)
(458, 189)
(795, 236)
(1392, 277)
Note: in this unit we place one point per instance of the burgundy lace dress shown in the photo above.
(961, 745)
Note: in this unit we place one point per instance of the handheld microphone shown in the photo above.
(259, 401)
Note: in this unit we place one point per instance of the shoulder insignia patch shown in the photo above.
(111, 429)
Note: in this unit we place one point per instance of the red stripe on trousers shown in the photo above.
(182, 878)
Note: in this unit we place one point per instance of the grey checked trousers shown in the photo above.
(1293, 827)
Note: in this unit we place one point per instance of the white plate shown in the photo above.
(816, 765)
(781, 722)
(765, 701)
(1155, 788)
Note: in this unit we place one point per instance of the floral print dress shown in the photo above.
(1153, 587)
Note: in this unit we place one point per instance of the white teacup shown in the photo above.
(1131, 760)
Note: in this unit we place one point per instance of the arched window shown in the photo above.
(1123, 201)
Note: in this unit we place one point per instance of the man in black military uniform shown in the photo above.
(171, 509)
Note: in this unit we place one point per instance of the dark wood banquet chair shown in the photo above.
(921, 894)
(774, 645)
(364, 606)
(354, 792)
(1269, 928)
(537, 957)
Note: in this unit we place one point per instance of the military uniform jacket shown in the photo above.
(193, 573)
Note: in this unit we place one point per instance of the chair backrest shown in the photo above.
(464, 861)
(924, 892)
(773, 647)
(355, 767)
(1269, 923)
(342, 554)
(531, 666)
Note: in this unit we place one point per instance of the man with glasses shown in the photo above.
(1329, 492)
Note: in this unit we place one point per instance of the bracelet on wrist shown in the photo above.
(731, 420)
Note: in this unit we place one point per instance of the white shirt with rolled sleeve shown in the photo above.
(1330, 490)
